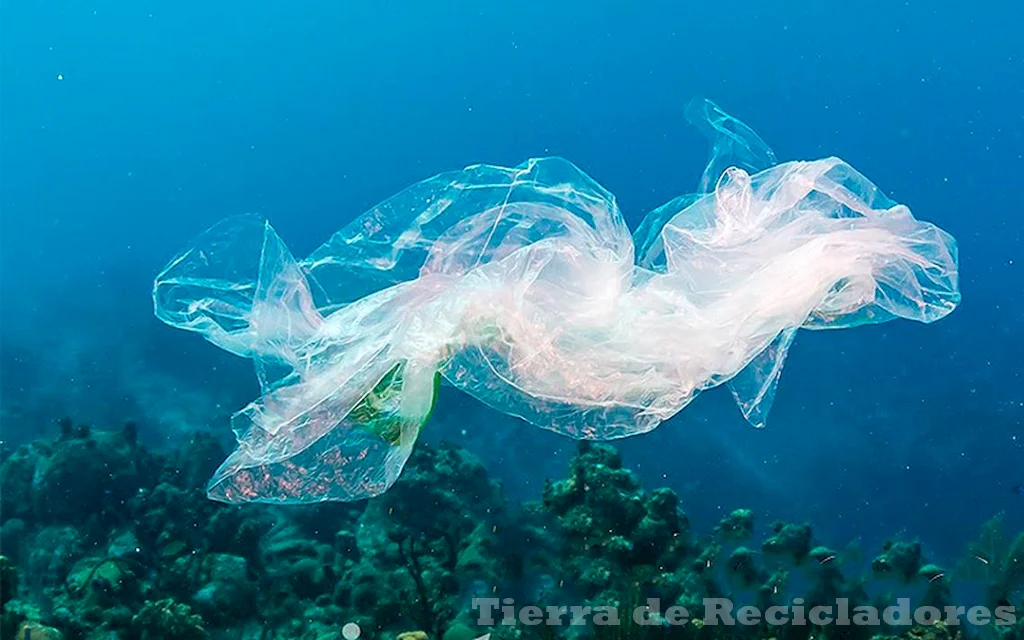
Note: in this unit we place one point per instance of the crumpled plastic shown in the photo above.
(525, 288)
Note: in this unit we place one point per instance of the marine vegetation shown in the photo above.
(103, 538)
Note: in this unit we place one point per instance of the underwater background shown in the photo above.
(127, 128)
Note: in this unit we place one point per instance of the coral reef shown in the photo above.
(167, 620)
(105, 539)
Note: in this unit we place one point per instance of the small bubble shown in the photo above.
(351, 631)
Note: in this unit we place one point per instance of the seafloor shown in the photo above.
(103, 538)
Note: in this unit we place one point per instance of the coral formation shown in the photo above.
(138, 552)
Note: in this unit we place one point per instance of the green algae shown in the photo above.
(380, 410)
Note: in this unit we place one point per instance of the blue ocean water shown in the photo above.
(127, 128)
